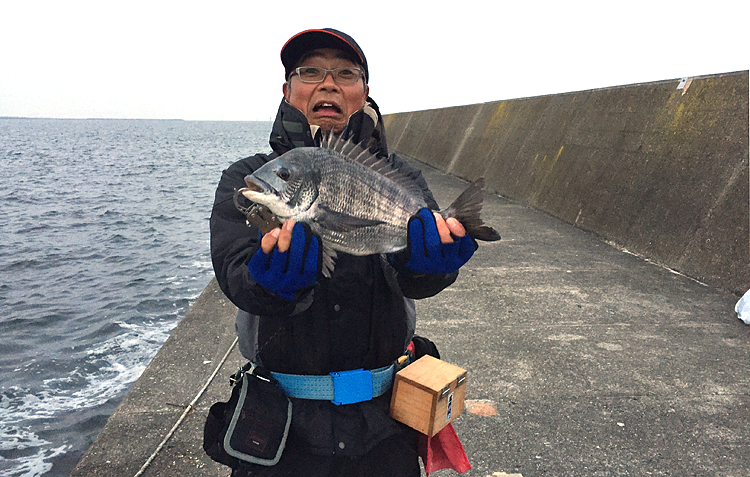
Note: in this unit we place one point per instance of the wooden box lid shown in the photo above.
(431, 374)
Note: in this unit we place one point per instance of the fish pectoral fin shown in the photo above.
(343, 223)
(328, 256)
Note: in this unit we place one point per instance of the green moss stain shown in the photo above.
(695, 105)
(677, 118)
(499, 117)
(557, 156)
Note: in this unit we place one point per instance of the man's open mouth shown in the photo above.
(326, 105)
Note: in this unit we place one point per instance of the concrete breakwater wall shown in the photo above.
(660, 168)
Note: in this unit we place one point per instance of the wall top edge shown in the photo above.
(584, 91)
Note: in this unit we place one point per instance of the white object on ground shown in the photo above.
(743, 308)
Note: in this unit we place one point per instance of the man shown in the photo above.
(297, 322)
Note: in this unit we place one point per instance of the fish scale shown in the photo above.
(351, 190)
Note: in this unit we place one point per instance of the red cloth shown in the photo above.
(443, 451)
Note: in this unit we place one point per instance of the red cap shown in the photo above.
(309, 40)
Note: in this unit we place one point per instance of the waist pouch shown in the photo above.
(252, 426)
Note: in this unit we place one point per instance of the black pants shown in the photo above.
(394, 457)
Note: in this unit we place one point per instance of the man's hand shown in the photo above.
(288, 259)
(281, 238)
(447, 227)
(436, 245)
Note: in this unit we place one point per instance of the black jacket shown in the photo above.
(358, 318)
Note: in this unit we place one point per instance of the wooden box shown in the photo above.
(428, 394)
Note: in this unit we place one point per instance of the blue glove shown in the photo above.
(284, 273)
(425, 252)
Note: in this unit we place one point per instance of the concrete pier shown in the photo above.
(584, 359)
(597, 362)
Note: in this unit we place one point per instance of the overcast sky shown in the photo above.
(219, 60)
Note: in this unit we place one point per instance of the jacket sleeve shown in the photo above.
(233, 243)
(414, 285)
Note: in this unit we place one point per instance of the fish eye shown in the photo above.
(284, 174)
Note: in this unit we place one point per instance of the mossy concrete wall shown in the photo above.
(660, 169)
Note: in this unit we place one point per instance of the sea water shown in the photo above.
(104, 245)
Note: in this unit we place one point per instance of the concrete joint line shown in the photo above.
(403, 131)
(187, 410)
(467, 133)
(738, 172)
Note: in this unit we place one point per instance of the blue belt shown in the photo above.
(343, 387)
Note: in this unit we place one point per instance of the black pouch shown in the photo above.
(424, 346)
(252, 426)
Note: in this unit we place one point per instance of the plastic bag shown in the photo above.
(743, 308)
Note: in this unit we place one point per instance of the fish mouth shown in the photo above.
(254, 184)
(328, 106)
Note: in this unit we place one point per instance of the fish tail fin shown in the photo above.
(466, 209)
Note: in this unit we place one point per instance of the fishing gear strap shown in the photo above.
(253, 426)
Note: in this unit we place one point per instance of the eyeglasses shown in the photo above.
(315, 74)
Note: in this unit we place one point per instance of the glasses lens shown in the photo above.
(311, 74)
(316, 74)
(347, 75)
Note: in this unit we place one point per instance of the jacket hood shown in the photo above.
(291, 129)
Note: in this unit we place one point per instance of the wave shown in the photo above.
(107, 370)
(28, 454)
(105, 374)
(102, 259)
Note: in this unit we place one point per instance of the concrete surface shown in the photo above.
(659, 168)
(597, 362)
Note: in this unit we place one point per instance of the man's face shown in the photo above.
(326, 104)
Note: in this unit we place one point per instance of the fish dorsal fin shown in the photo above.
(357, 153)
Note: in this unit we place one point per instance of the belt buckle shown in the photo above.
(351, 387)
